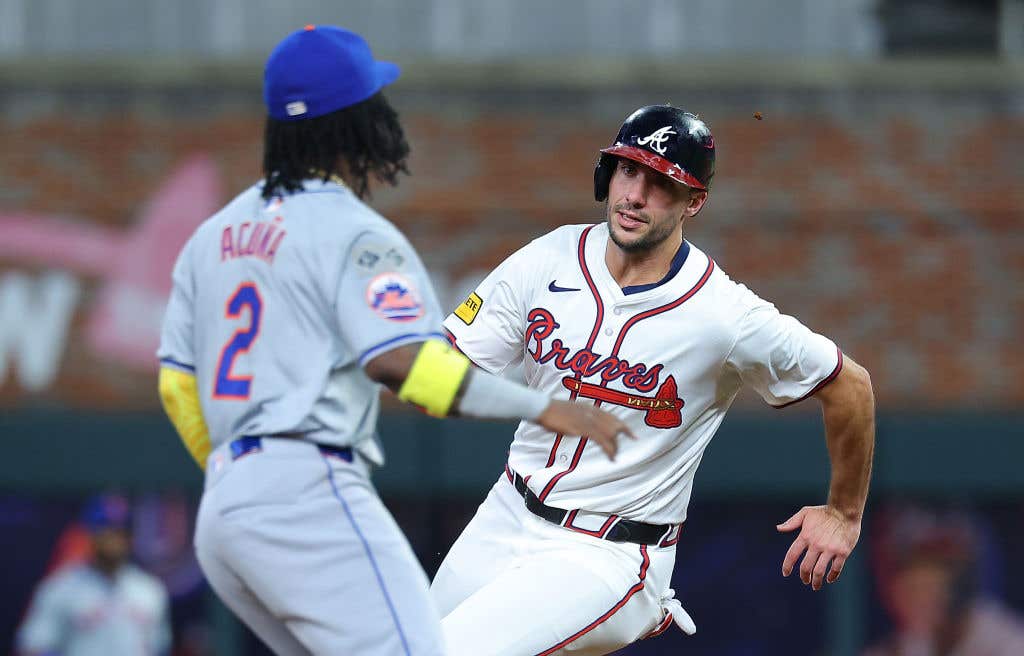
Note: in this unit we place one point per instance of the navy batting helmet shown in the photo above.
(665, 138)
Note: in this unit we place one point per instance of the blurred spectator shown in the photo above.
(927, 568)
(103, 607)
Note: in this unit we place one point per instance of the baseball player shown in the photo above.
(571, 553)
(289, 307)
(103, 607)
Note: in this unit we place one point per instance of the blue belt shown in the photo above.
(254, 443)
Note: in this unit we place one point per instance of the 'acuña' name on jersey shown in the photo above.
(260, 239)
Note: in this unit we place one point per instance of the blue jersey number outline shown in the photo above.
(227, 386)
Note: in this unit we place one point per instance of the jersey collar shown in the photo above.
(677, 264)
(688, 265)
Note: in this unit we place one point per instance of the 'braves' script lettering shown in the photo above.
(584, 362)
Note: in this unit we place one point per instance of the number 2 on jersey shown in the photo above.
(228, 386)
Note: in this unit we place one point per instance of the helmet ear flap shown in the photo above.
(603, 176)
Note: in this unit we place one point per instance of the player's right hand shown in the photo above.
(827, 536)
(570, 418)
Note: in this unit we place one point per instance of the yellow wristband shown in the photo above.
(435, 378)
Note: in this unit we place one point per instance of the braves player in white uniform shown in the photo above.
(571, 553)
(290, 306)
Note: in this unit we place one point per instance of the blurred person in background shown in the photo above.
(927, 564)
(105, 606)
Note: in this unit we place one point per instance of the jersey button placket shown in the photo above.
(609, 330)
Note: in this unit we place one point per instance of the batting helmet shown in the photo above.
(665, 138)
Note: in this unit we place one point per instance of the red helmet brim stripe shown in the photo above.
(656, 162)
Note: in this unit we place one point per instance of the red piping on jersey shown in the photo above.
(615, 353)
(664, 308)
(452, 341)
(828, 379)
(590, 343)
(614, 609)
(661, 628)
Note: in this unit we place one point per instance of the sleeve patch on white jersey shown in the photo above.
(394, 297)
(469, 308)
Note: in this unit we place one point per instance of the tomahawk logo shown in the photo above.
(657, 139)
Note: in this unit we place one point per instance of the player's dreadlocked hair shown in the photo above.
(354, 142)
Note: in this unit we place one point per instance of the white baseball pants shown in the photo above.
(514, 584)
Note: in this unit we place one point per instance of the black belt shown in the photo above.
(254, 443)
(622, 530)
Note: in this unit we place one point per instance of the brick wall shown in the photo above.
(901, 235)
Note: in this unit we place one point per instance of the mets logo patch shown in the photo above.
(393, 296)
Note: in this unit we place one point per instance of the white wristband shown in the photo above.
(492, 397)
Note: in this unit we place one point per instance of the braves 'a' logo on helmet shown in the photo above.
(669, 140)
(657, 139)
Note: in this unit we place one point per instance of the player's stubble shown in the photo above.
(657, 230)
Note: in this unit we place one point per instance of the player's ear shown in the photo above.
(695, 202)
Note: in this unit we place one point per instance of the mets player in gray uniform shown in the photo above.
(288, 307)
(104, 607)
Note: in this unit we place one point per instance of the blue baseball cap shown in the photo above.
(106, 511)
(321, 69)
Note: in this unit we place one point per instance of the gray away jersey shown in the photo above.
(278, 304)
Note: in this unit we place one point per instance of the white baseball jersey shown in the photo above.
(277, 306)
(668, 358)
(81, 612)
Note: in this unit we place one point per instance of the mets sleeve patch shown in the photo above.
(393, 297)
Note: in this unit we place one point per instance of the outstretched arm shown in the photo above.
(829, 533)
(443, 382)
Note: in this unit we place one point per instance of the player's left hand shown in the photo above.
(827, 536)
